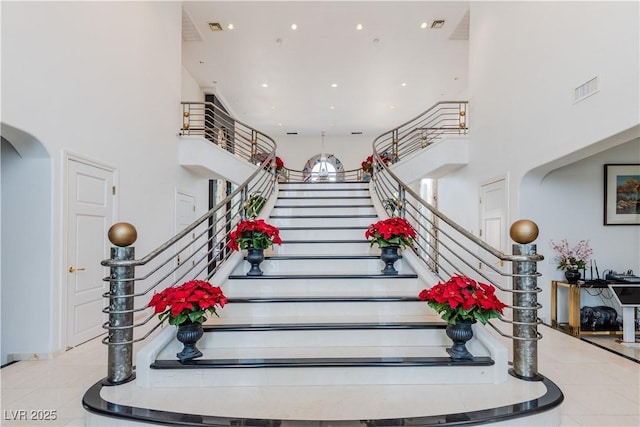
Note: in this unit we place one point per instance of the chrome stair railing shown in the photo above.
(292, 175)
(197, 252)
(446, 248)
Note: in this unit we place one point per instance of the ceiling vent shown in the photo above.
(356, 133)
(215, 26)
(585, 90)
(437, 24)
(190, 32)
(292, 133)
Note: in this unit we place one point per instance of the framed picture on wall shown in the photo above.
(622, 194)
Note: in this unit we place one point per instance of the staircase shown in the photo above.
(322, 313)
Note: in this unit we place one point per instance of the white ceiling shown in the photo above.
(369, 66)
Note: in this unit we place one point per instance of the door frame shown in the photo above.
(64, 261)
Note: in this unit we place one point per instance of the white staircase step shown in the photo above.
(312, 193)
(274, 337)
(315, 186)
(322, 308)
(337, 220)
(317, 210)
(323, 247)
(323, 200)
(321, 233)
(302, 287)
(323, 265)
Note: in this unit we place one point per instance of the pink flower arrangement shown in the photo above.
(575, 258)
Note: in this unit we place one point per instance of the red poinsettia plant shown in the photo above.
(367, 164)
(254, 233)
(187, 302)
(462, 298)
(393, 231)
(277, 163)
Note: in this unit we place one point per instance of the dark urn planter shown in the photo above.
(188, 334)
(255, 257)
(460, 333)
(572, 276)
(389, 255)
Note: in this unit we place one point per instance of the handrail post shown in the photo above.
(244, 196)
(525, 313)
(121, 289)
(394, 146)
(401, 202)
(254, 146)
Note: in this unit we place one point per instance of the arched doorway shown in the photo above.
(26, 174)
(315, 170)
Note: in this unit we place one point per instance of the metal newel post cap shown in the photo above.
(122, 234)
(524, 231)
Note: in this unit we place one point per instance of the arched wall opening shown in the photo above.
(311, 169)
(566, 199)
(26, 281)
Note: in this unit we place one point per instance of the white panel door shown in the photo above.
(90, 204)
(185, 215)
(493, 217)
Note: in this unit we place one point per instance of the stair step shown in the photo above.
(321, 266)
(324, 192)
(319, 362)
(327, 220)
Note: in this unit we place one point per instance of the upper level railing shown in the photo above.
(207, 120)
(197, 252)
(292, 175)
(445, 118)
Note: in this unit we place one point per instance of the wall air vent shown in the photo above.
(585, 90)
(215, 26)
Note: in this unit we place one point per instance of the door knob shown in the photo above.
(73, 269)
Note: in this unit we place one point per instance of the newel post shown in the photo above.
(121, 290)
(525, 301)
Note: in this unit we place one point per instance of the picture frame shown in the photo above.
(622, 194)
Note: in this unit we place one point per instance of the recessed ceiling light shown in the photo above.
(334, 84)
(392, 107)
(294, 26)
(424, 25)
(359, 27)
(438, 23)
(215, 26)
(332, 108)
(403, 84)
(230, 26)
(265, 85)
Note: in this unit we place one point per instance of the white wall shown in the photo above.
(525, 60)
(295, 150)
(191, 91)
(102, 80)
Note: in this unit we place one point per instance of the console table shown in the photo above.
(573, 327)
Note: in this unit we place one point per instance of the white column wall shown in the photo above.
(101, 80)
(526, 58)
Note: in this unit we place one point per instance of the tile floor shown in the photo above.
(600, 388)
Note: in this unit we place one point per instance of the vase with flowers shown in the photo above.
(462, 301)
(572, 260)
(186, 306)
(390, 235)
(254, 235)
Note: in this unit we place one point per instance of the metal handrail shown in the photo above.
(445, 247)
(293, 175)
(196, 252)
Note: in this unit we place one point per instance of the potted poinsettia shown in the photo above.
(462, 301)
(186, 306)
(390, 235)
(254, 235)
